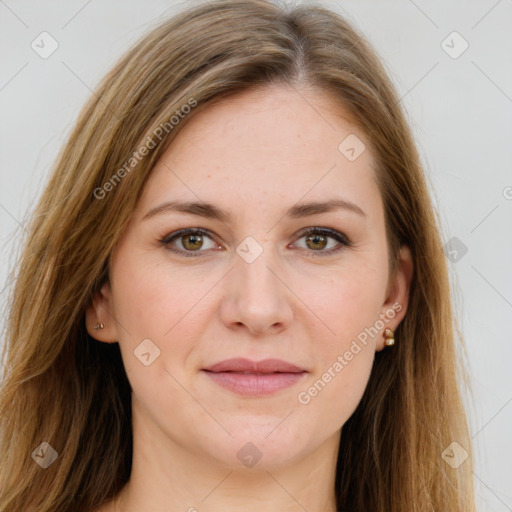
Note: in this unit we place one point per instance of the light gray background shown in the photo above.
(460, 110)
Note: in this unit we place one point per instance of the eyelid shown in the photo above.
(166, 240)
(341, 238)
(331, 232)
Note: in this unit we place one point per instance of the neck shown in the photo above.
(176, 478)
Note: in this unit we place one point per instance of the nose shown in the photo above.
(256, 296)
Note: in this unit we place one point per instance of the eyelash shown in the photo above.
(340, 237)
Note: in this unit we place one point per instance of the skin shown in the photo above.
(255, 154)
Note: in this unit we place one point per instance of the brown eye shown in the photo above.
(189, 241)
(316, 241)
(192, 242)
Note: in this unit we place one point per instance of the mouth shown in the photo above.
(255, 378)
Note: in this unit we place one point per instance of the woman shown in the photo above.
(233, 293)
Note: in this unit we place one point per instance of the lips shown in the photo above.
(255, 378)
(241, 365)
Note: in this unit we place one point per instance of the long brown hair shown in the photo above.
(66, 389)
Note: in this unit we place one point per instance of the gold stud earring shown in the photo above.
(390, 337)
(99, 326)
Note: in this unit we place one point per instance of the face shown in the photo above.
(268, 279)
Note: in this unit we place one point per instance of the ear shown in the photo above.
(397, 296)
(100, 311)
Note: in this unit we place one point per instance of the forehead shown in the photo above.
(276, 144)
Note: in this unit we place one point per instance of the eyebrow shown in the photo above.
(211, 211)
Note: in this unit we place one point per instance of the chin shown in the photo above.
(258, 447)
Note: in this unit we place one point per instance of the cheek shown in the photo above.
(329, 399)
(151, 304)
(348, 309)
(153, 299)
(346, 304)
(343, 361)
